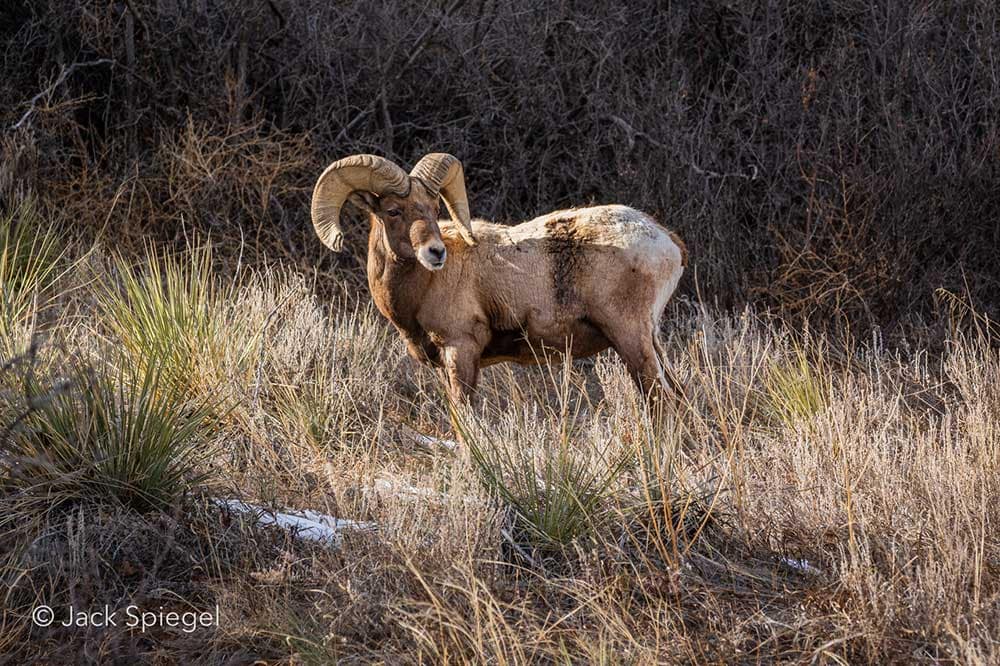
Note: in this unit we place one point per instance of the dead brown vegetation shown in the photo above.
(825, 496)
(829, 158)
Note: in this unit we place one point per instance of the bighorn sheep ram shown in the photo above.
(470, 293)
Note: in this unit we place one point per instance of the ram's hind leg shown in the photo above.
(641, 352)
(640, 357)
(675, 386)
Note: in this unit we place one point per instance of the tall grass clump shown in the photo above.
(30, 258)
(172, 314)
(797, 388)
(163, 313)
(664, 515)
(105, 430)
(545, 466)
(340, 392)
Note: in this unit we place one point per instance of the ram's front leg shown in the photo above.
(461, 368)
(423, 351)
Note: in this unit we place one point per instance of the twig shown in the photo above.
(715, 174)
(138, 18)
(282, 21)
(631, 132)
(66, 71)
(387, 121)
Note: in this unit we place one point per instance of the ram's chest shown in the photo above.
(421, 349)
(389, 306)
(421, 345)
(392, 291)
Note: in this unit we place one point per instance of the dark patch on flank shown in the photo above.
(509, 343)
(564, 245)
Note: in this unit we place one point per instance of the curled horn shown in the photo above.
(443, 174)
(369, 173)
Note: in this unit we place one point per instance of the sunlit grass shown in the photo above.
(163, 313)
(106, 431)
(571, 524)
(31, 259)
(340, 395)
(796, 389)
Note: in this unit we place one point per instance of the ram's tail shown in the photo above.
(667, 376)
(684, 251)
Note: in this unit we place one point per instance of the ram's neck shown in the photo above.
(396, 284)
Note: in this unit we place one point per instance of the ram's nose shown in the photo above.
(436, 256)
(432, 256)
(437, 253)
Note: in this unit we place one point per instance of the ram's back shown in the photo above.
(554, 276)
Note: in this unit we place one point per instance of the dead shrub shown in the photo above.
(836, 160)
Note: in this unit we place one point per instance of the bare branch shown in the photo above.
(418, 47)
(708, 173)
(63, 75)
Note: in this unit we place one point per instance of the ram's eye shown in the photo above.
(395, 212)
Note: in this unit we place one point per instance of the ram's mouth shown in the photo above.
(429, 264)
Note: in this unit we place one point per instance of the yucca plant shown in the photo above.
(171, 313)
(30, 259)
(554, 480)
(163, 313)
(109, 430)
(796, 389)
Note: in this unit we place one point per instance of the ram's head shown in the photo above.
(406, 205)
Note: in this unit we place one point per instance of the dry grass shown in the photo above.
(816, 500)
(821, 497)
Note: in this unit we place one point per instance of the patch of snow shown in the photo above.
(392, 487)
(800, 564)
(386, 486)
(431, 442)
(305, 524)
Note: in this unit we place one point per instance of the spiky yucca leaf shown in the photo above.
(30, 258)
(106, 431)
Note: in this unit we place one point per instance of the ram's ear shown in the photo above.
(366, 201)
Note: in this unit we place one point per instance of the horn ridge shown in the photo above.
(444, 176)
(370, 173)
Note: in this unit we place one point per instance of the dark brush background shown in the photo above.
(832, 159)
